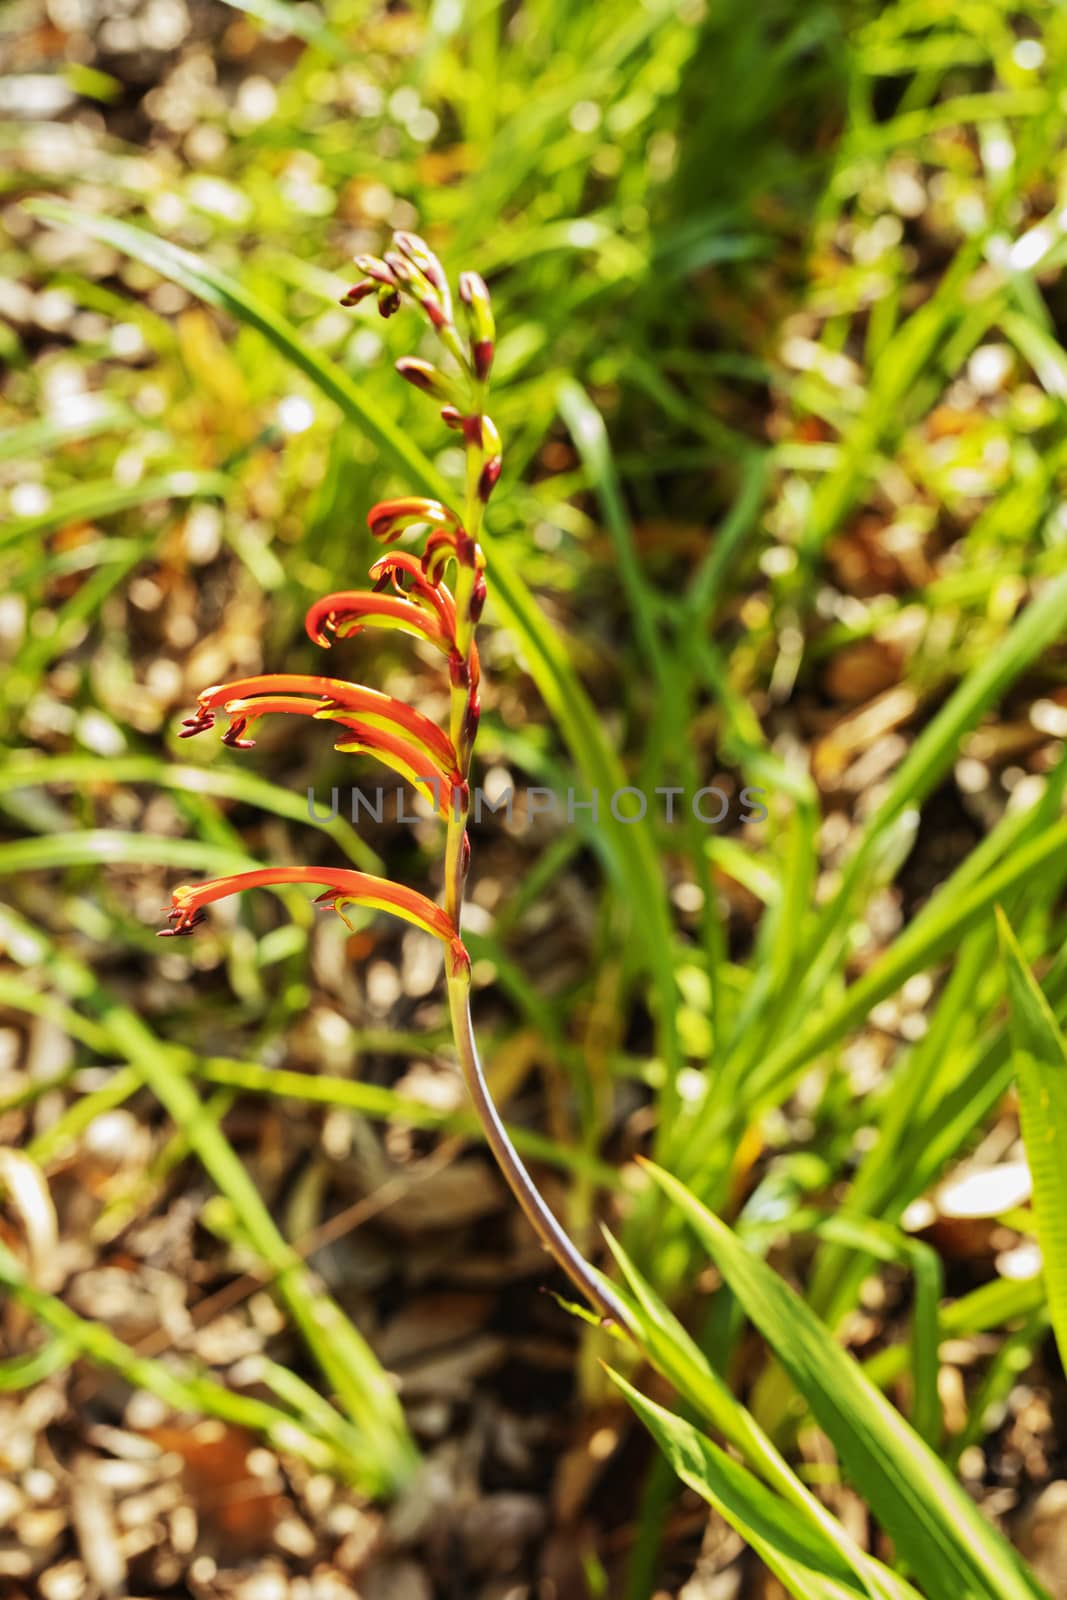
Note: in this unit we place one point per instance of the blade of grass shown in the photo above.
(87, 502)
(1039, 1057)
(342, 1451)
(219, 782)
(344, 1357)
(679, 1359)
(82, 421)
(937, 1528)
(806, 1564)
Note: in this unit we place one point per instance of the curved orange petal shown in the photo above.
(350, 610)
(389, 518)
(400, 564)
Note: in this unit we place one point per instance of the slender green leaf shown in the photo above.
(806, 1562)
(674, 1354)
(936, 1527)
(1039, 1055)
(86, 502)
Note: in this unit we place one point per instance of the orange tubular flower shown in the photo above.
(248, 697)
(345, 613)
(395, 566)
(343, 887)
(389, 518)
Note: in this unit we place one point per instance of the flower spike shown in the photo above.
(409, 594)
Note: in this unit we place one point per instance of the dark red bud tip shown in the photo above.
(181, 922)
(478, 593)
(490, 477)
(466, 549)
(358, 292)
(471, 718)
(482, 351)
(472, 431)
(458, 671)
(451, 417)
(465, 855)
(233, 738)
(388, 302)
(416, 374)
(376, 269)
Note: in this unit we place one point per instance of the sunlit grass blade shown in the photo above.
(586, 427)
(80, 421)
(805, 1562)
(937, 1529)
(101, 847)
(340, 1451)
(217, 782)
(86, 502)
(936, 930)
(1039, 1056)
(680, 1360)
(348, 1364)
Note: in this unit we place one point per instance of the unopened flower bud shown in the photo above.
(359, 291)
(419, 252)
(378, 270)
(388, 301)
(437, 305)
(403, 271)
(482, 357)
(477, 602)
(471, 718)
(450, 417)
(489, 478)
(480, 324)
(425, 377)
(458, 671)
(472, 430)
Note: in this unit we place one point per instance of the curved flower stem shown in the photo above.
(541, 1219)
